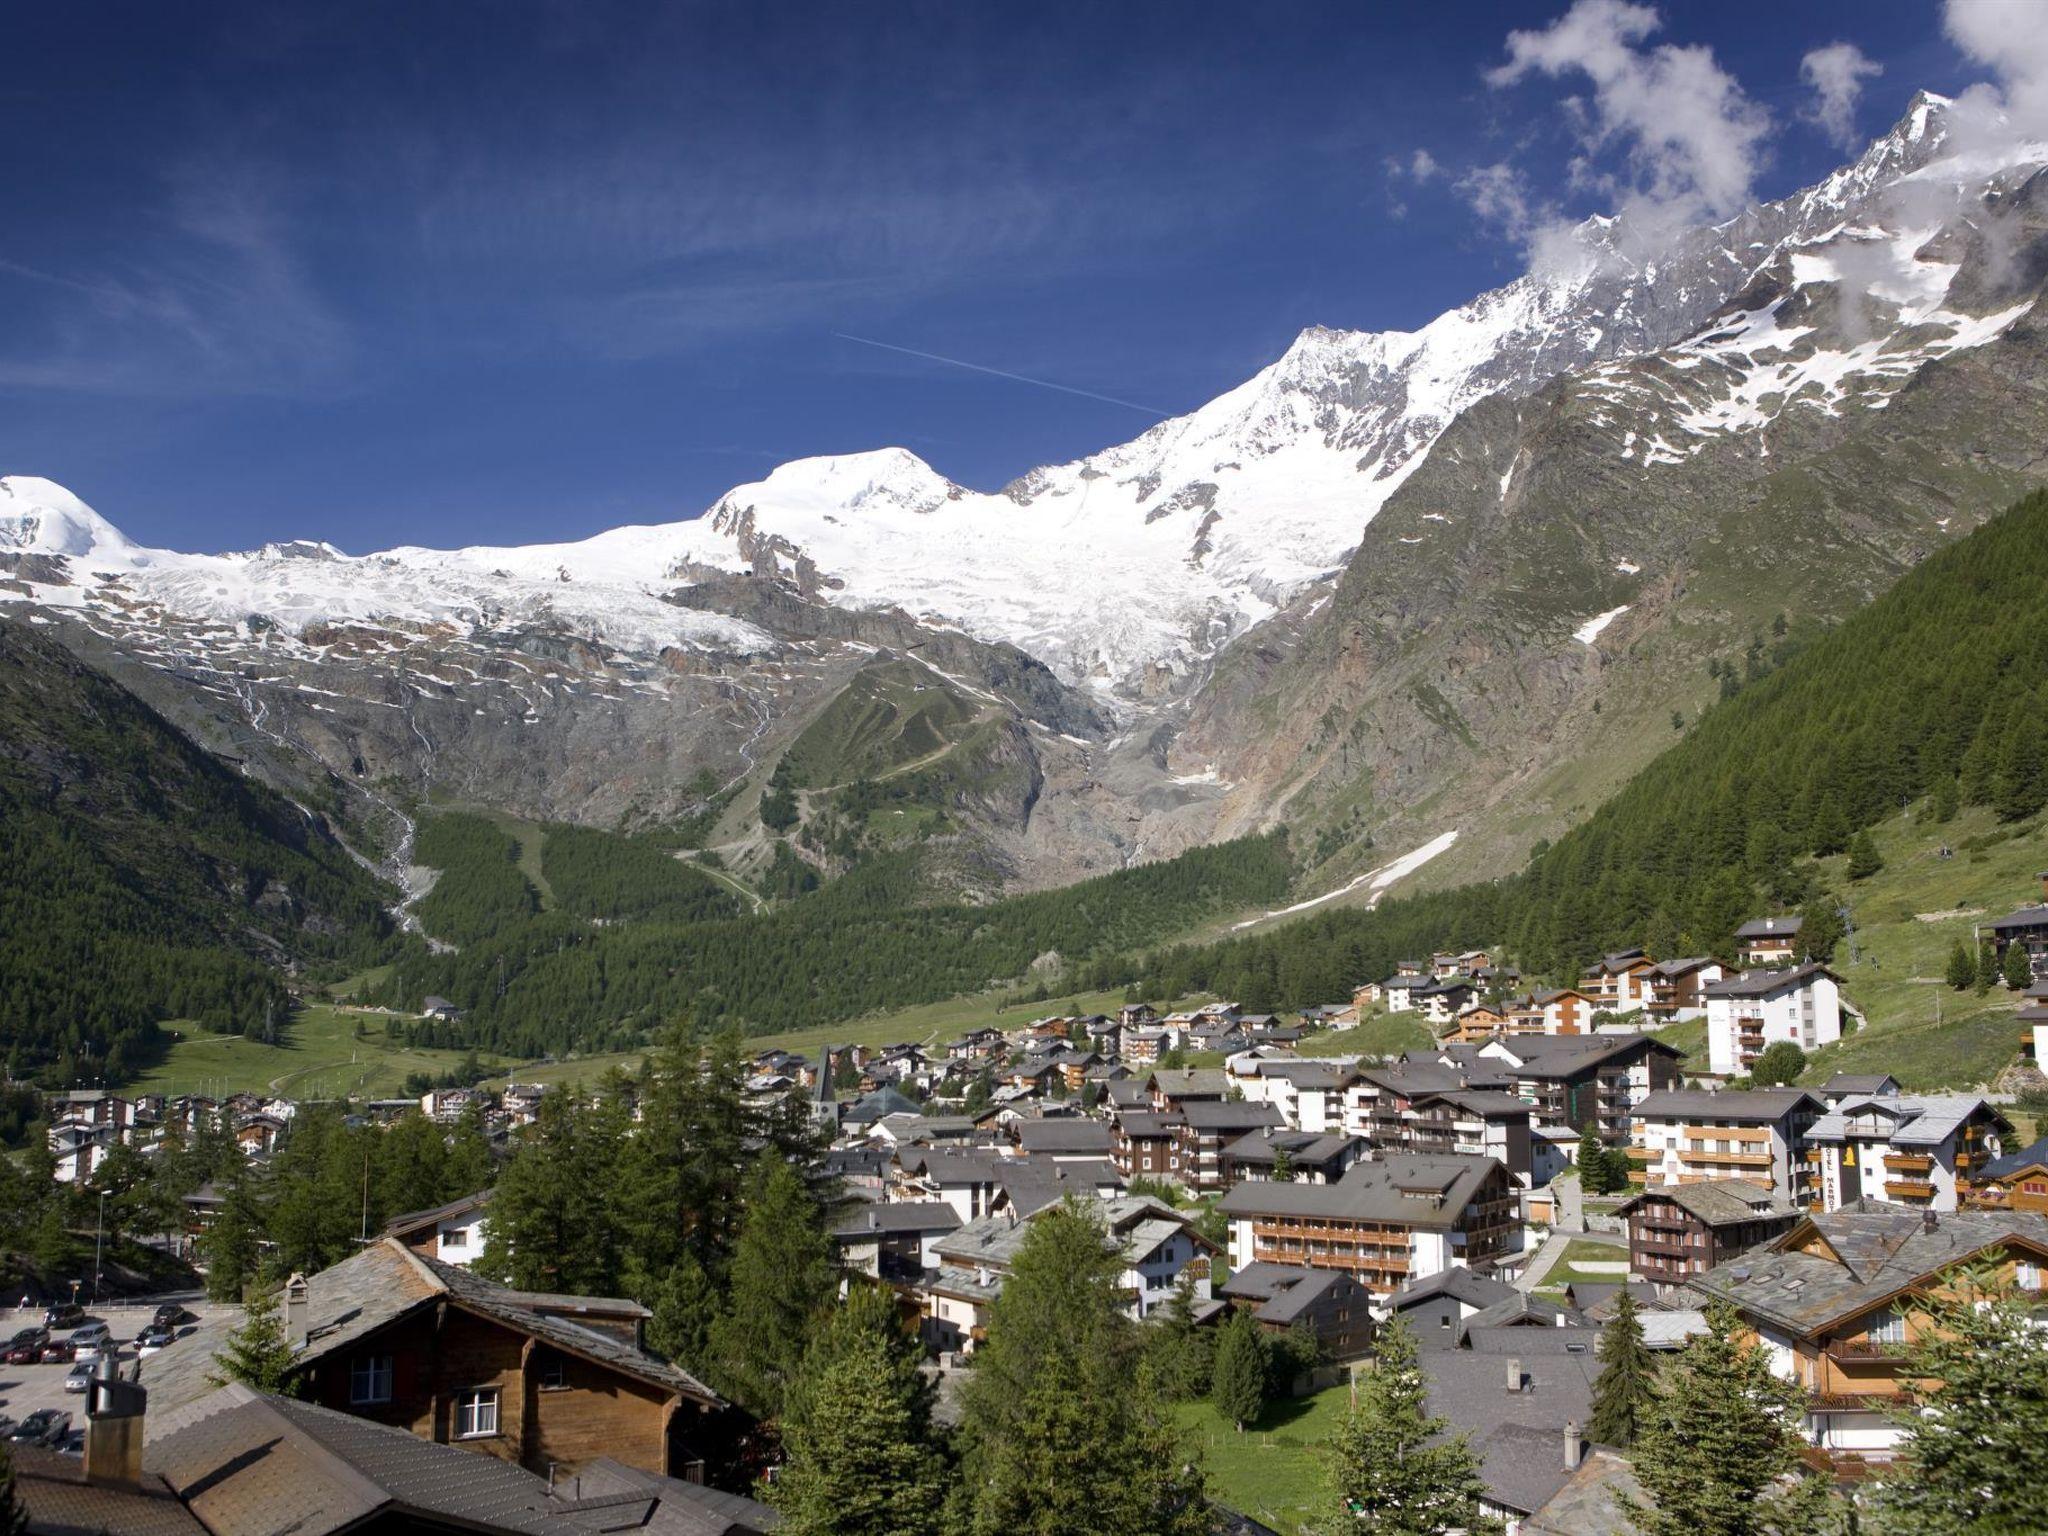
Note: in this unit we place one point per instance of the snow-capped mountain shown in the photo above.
(1134, 566)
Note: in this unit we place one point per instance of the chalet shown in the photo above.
(1442, 1001)
(1308, 1094)
(1678, 988)
(895, 1240)
(976, 1045)
(257, 1135)
(1482, 1021)
(1398, 991)
(1444, 964)
(1922, 1150)
(2028, 927)
(547, 1382)
(1829, 1301)
(1685, 1135)
(1158, 1246)
(90, 1107)
(1756, 1009)
(1567, 1080)
(1390, 1221)
(78, 1150)
(1436, 1307)
(440, 1008)
(2017, 1181)
(1524, 1415)
(1474, 1122)
(454, 1233)
(1206, 1128)
(1678, 1231)
(1768, 941)
(2034, 1035)
(1200, 1085)
(1329, 1303)
(1623, 982)
(1064, 1139)
(1144, 1045)
(1307, 1157)
(1147, 1144)
(1858, 1085)
(448, 1105)
(1566, 1011)
(967, 1181)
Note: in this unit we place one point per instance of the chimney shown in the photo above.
(297, 1306)
(1514, 1375)
(113, 1427)
(1574, 1445)
(1928, 1221)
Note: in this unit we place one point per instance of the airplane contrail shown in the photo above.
(1065, 389)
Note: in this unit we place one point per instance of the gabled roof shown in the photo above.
(1202, 1116)
(1063, 1136)
(1411, 1189)
(2025, 917)
(1519, 1436)
(1859, 1084)
(1473, 1289)
(2035, 1156)
(876, 1218)
(1749, 1106)
(415, 1221)
(1870, 1252)
(1717, 1202)
(1915, 1120)
(1770, 928)
(1201, 1082)
(1767, 983)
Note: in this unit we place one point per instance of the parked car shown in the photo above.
(87, 1342)
(46, 1426)
(152, 1340)
(169, 1315)
(27, 1346)
(57, 1352)
(79, 1377)
(68, 1314)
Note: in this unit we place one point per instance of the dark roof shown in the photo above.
(1764, 983)
(1473, 1289)
(1412, 1189)
(1201, 1082)
(882, 1102)
(1141, 1123)
(897, 1216)
(1770, 928)
(1565, 1055)
(1588, 1500)
(1262, 1146)
(1879, 1251)
(413, 1221)
(1524, 1309)
(1757, 1106)
(2005, 1167)
(1717, 1202)
(1078, 1136)
(1226, 1116)
(2026, 917)
(1519, 1436)
(680, 1508)
(57, 1499)
(1859, 1083)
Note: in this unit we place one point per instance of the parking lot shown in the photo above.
(26, 1388)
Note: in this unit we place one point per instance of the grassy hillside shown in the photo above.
(142, 879)
(317, 1056)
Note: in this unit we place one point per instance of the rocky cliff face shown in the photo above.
(1396, 585)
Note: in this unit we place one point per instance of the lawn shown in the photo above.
(1905, 919)
(318, 1058)
(1271, 1471)
(1572, 1264)
(1377, 1034)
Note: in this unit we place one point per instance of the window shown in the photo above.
(1887, 1327)
(369, 1379)
(2027, 1275)
(476, 1413)
(553, 1374)
(455, 1237)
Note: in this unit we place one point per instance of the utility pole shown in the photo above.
(98, 1237)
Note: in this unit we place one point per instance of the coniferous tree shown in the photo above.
(1821, 930)
(1989, 973)
(2017, 971)
(1180, 1352)
(1717, 1453)
(859, 1458)
(1238, 1384)
(257, 1353)
(232, 1246)
(1627, 1382)
(685, 1305)
(1864, 859)
(1392, 1468)
(1974, 1460)
(781, 1277)
(1062, 1429)
(1962, 970)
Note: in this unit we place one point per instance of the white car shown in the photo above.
(152, 1341)
(89, 1342)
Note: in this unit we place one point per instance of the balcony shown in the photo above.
(1909, 1189)
(1739, 1159)
(1908, 1162)
(1866, 1351)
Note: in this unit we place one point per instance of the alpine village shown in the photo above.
(1451, 943)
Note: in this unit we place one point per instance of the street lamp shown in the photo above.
(98, 1236)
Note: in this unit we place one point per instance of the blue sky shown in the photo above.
(455, 273)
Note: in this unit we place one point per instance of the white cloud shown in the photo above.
(1692, 140)
(1422, 166)
(2011, 38)
(1836, 73)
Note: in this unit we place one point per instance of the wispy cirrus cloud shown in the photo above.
(1836, 74)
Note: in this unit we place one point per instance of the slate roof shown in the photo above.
(1522, 1309)
(1880, 1250)
(1753, 1106)
(1475, 1290)
(1140, 1124)
(1769, 928)
(1765, 983)
(2005, 1167)
(2025, 917)
(1717, 1202)
(1381, 1190)
(383, 1283)
(1310, 1074)
(896, 1216)
(1916, 1120)
(1262, 1146)
(1203, 1116)
(877, 1105)
(1137, 1224)
(1857, 1084)
(54, 1493)
(1285, 1292)
(1202, 1082)
(1519, 1436)
(1079, 1137)
(1589, 1499)
(413, 1221)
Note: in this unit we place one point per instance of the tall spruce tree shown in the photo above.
(780, 1279)
(1974, 1460)
(2017, 969)
(859, 1457)
(1718, 1452)
(1238, 1384)
(1962, 970)
(1062, 1428)
(1394, 1470)
(1627, 1382)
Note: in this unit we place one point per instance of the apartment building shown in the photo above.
(1399, 1218)
(1752, 1011)
(1678, 1231)
(1687, 1135)
(1921, 1150)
